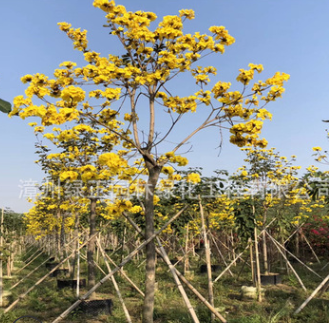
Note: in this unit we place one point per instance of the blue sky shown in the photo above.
(287, 36)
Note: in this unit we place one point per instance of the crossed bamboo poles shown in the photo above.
(176, 274)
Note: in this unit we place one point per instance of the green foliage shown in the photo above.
(5, 106)
(245, 218)
(13, 221)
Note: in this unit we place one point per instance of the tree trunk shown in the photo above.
(297, 243)
(186, 260)
(91, 244)
(252, 265)
(258, 282)
(148, 306)
(265, 257)
(57, 228)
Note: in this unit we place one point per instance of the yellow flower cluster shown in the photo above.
(246, 76)
(79, 37)
(193, 178)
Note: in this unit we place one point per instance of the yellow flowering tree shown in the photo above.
(272, 186)
(140, 78)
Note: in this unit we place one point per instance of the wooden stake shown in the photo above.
(125, 276)
(208, 260)
(22, 296)
(125, 261)
(30, 262)
(220, 254)
(182, 278)
(29, 274)
(292, 255)
(299, 309)
(239, 256)
(309, 245)
(116, 287)
(288, 263)
(178, 283)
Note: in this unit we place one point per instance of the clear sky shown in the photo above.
(287, 36)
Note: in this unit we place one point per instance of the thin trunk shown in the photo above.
(164, 255)
(265, 258)
(297, 245)
(8, 266)
(12, 256)
(64, 247)
(78, 270)
(258, 283)
(148, 306)
(97, 251)
(252, 264)
(91, 244)
(62, 236)
(57, 228)
(186, 260)
(103, 280)
(123, 240)
(233, 246)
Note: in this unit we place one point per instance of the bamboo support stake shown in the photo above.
(288, 263)
(125, 261)
(265, 258)
(309, 245)
(22, 296)
(116, 287)
(238, 256)
(78, 268)
(77, 251)
(178, 283)
(13, 254)
(220, 254)
(299, 309)
(180, 276)
(293, 233)
(95, 263)
(230, 265)
(29, 274)
(125, 276)
(201, 298)
(37, 256)
(33, 254)
(208, 260)
(292, 255)
(26, 247)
